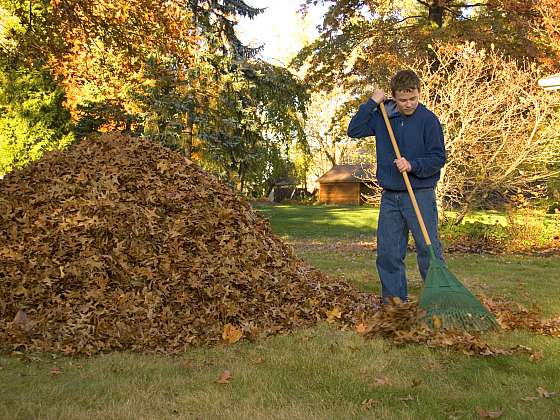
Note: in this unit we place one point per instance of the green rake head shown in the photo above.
(445, 301)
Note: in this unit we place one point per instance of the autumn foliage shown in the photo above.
(120, 243)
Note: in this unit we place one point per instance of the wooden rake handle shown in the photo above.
(405, 176)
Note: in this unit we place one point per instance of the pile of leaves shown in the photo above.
(119, 243)
(513, 316)
(398, 322)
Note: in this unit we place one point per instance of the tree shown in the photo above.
(364, 41)
(500, 128)
(174, 71)
(257, 114)
(326, 124)
(32, 117)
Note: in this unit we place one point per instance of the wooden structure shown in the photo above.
(345, 184)
(551, 82)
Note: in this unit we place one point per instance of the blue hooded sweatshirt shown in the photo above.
(420, 140)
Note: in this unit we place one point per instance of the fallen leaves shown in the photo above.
(536, 356)
(399, 321)
(231, 334)
(513, 316)
(361, 328)
(417, 382)
(383, 381)
(544, 393)
(487, 414)
(529, 399)
(121, 244)
(224, 377)
(55, 371)
(369, 403)
(334, 314)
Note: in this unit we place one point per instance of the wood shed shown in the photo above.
(551, 82)
(345, 184)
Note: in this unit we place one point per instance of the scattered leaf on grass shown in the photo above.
(536, 356)
(55, 371)
(544, 393)
(231, 334)
(258, 360)
(487, 414)
(370, 403)
(224, 377)
(407, 398)
(531, 398)
(416, 382)
(361, 328)
(383, 381)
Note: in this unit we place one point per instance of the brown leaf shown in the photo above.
(224, 377)
(416, 382)
(536, 356)
(231, 334)
(361, 328)
(437, 323)
(370, 403)
(55, 371)
(488, 414)
(21, 318)
(544, 393)
(334, 314)
(531, 398)
(382, 381)
(258, 360)
(407, 398)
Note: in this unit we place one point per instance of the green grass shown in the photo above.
(321, 222)
(317, 373)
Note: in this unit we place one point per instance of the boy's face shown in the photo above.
(407, 101)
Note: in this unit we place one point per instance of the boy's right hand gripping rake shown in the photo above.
(443, 299)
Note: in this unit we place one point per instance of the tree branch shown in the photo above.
(424, 3)
(461, 6)
(410, 17)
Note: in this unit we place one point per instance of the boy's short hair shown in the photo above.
(405, 81)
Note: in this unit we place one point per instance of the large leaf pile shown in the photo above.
(119, 243)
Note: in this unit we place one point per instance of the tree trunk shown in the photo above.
(435, 13)
(187, 137)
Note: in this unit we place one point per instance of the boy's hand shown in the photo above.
(403, 165)
(378, 95)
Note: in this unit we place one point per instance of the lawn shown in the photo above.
(317, 373)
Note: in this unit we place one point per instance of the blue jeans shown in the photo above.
(396, 219)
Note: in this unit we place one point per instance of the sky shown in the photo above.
(280, 28)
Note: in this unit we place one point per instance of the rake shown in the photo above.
(444, 301)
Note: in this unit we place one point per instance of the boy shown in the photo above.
(420, 138)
